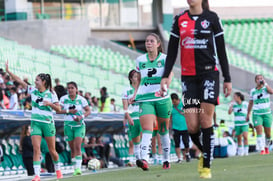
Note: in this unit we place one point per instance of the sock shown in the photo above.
(37, 167)
(78, 161)
(246, 149)
(57, 165)
(260, 142)
(145, 144)
(73, 160)
(137, 150)
(208, 146)
(195, 137)
(165, 140)
(267, 142)
(131, 158)
(159, 158)
(240, 150)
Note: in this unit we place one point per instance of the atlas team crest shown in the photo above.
(205, 24)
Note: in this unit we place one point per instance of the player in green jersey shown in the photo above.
(261, 114)
(239, 107)
(75, 108)
(44, 101)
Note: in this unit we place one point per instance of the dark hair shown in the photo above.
(205, 4)
(47, 79)
(160, 48)
(14, 89)
(112, 99)
(104, 89)
(222, 121)
(72, 83)
(174, 96)
(131, 74)
(239, 94)
(227, 133)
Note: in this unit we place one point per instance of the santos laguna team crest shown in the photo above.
(205, 24)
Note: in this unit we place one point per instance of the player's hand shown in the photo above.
(131, 121)
(7, 66)
(247, 117)
(73, 111)
(227, 88)
(77, 118)
(47, 103)
(132, 99)
(163, 83)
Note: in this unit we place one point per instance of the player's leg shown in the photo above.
(245, 136)
(131, 146)
(36, 137)
(79, 134)
(267, 130)
(68, 133)
(154, 150)
(240, 151)
(159, 150)
(176, 138)
(186, 141)
(257, 121)
(136, 138)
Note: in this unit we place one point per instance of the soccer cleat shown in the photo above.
(188, 158)
(143, 164)
(59, 174)
(200, 164)
(266, 151)
(262, 152)
(178, 161)
(166, 165)
(205, 173)
(36, 178)
(77, 171)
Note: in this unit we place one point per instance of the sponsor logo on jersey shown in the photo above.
(205, 31)
(209, 89)
(151, 72)
(191, 43)
(205, 24)
(159, 63)
(140, 110)
(194, 31)
(184, 24)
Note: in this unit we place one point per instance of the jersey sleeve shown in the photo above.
(217, 27)
(54, 97)
(125, 95)
(30, 89)
(62, 101)
(251, 96)
(137, 65)
(84, 102)
(175, 29)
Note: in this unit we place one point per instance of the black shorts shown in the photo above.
(200, 88)
(185, 138)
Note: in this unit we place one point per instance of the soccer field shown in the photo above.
(254, 167)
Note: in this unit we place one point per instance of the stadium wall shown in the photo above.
(42, 34)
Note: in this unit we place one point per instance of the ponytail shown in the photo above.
(205, 4)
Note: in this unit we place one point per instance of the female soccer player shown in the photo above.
(261, 115)
(152, 103)
(75, 108)
(132, 115)
(239, 107)
(44, 101)
(201, 38)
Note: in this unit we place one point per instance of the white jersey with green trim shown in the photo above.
(40, 112)
(240, 113)
(261, 101)
(133, 108)
(151, 74)
(79, 103)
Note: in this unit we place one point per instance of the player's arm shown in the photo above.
(269, 89)
(87, 111)
(55, 106)
(249, 108)
(131, 100)
(15, 77)
(126, 113)
(230, 110)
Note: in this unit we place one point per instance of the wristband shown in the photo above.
(67, 111)
(126, 111)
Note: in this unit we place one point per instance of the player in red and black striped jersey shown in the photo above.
(200, 35)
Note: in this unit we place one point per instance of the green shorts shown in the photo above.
(160, 108)
(134, 131)
(265, 120)
(71, 132)
(155, 133)
(240, 129)
(42, 129)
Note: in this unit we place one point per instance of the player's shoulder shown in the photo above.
(211, 14)
(142, 58)
(163, 55)
(245, 102)
(252, 90)
(182, 13)
(64, 97)
(79, 97)
(127, 88)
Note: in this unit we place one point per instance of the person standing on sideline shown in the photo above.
(104, 100)
(75, 108)
(131, 114)
(179, 127)
(200, 35)
(239, 108)
(153, 104)
(261, 115)
(44, 101)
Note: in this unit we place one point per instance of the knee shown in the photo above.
(52, 152)
(36, 151)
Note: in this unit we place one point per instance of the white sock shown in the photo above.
(57, 166)
(240, 150)
(165, 140)
(78, 162)
(246, 150)
(260, 143)
(145, 145)
(159, 157)
(267, 142)
(73, 160)
(131, 158)
(137, 150)
(37, 169)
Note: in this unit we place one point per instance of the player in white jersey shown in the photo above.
(261, 115)
(132, 116)
(75, 108)
(153, 104)
(44, 101)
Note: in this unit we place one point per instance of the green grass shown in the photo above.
(254, 167)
